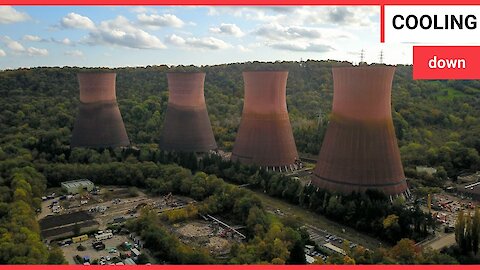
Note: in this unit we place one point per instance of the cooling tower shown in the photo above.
(265, 135)
(99, 122)
(360, 151)
(187, 127)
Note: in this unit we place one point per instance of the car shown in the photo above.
(108, 258)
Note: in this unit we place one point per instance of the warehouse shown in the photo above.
(75, 186)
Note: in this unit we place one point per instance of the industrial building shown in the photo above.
(99, 122)
(265, 135)
(471, 190)
(75, 186)
(187, 126)
(360, 150)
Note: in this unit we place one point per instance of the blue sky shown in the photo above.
(116, 36)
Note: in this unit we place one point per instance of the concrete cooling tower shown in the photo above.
(187, 126)
(99, 122)
(360, 151)
(265, 135)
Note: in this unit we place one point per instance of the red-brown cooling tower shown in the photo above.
(360, 151)
(99, 122)
(187, 126)
(265, 135)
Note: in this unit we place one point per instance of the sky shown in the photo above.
(118, 36)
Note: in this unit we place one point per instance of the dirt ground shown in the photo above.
(205, 234)
(195, 229)
(219, 245)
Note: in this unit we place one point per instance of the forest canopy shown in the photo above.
(436, 122)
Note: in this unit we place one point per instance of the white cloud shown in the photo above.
(276, 31)
(10, 15)
(17, 48)
(210, 43)
(13, 45)
(32, 51)
(164, 20)
(228, 29)
(297, 38)
(2, 53)
(31, 38)
(74, 53)
(301, 46)
(243, 48)
(121, 32)
(304, 15)
(66, 41)
(300, 38)
(74, 20)
(175, 40)
(141, 9)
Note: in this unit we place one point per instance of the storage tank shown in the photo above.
(265, 135)
(99, 123)
(360, 150)
(187, 126)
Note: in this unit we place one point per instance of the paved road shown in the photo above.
(441, 242)
(323, 225)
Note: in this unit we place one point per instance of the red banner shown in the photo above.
(446, 62)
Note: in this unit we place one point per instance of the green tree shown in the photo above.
(460, 230)
(476, 231)
(404, 251)
(55, 256)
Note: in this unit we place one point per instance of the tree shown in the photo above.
(297, 254)
(55, 256)
(460, 230)
(77, 229)
(468, 234)
(348, 260)
(404, 251)
(476, 231)
(278, 261)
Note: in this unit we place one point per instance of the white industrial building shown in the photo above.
(75, 186)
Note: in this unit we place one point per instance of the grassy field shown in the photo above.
(320, 222)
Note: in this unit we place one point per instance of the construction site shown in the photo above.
(104, 206)
(94, 220)
(445, 208)
(211, 233)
